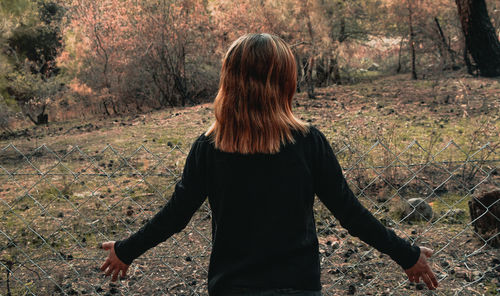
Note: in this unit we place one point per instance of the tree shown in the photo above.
(305, 12)
(412, 39)
(480, 36)
(177, 36)
(142, 53)
(444, 48)
(30, 40)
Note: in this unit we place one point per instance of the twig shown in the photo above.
(300, 43)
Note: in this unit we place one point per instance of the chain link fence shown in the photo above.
(57, 206)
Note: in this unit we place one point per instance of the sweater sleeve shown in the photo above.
(333, 191)
(189, 194)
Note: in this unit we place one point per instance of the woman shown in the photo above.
(261, 167)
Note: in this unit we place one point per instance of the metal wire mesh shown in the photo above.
(58, 206)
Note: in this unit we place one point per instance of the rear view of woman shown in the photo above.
(260, 168)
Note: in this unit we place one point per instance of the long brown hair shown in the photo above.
(253, 108)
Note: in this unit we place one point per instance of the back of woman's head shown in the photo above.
(253, 108)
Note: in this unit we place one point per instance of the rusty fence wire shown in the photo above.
(57, 206)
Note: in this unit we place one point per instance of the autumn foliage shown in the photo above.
(114, 56)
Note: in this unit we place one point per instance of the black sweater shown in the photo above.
(263, 230)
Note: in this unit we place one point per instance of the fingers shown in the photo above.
(413, 275)
(422, 270)
(115, 275)
(110, 270)
(416, 279)
(105, 265)
(107, 245)
(114, 271)
(433, 278)
(428, 281)
(427, 277)
(124, 272)
(411, 279)
(427, 252)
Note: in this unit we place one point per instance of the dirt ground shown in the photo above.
(68, 186)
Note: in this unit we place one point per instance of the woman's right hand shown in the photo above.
(422, 270)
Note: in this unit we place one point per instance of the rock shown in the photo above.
(334, 271)
(335, 245)
(351, 290)
(469, 276)
(374, 67)
(113, 290)
(383, 196)
(454, 215)
(387, 222)
(461, 274)
(417, 209)
(476, 275)
(452, 220)
(348, 253)
(487, 225)
(490, 275)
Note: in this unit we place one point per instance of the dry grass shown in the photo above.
(57, 221)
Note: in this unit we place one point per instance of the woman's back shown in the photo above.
(263, 225)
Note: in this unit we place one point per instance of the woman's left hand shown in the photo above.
(113, 264)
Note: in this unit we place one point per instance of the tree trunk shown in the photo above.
(468, 64)
(399, 55)
(451, 53)
(334, 68)
(300, 76)
(480, 36)
(41, 118)
(484, 213)
(106, 58)
(310, 64)
(321, 72)
(309, 78)
(104, 103)
(412, 42)
(342, 34)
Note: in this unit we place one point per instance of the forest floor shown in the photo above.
(395, 108)
(52, 223)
